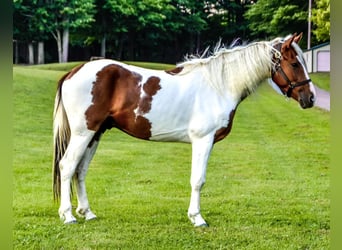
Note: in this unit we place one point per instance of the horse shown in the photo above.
(194, 103)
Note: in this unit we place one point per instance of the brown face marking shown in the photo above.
(223, 132)
(116, 94)
(174, 71)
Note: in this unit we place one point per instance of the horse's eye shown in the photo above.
(295, 65)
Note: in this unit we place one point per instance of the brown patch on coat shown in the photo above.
(116, 94)
(150, 88)
(223, 132)
(174, 71)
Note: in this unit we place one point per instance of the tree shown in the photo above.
(128, 24)
(26, 29)
(130, 29)
(321, 20)
(134, 20)
(270, 18)
(185, 23)
(226, 18)
(58, 17)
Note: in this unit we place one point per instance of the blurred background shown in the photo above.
(46, 31)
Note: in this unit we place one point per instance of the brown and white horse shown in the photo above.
(194, 103)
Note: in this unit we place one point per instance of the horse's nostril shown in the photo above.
(312, 98)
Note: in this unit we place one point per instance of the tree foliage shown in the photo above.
(25, 25)
(321, 20)
(269, 18)
(55, 17)
(133, 29)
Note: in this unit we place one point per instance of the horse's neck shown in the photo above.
(239, 84)
(237, 72)
(248, 73)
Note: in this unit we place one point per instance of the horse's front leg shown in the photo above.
(201, 149)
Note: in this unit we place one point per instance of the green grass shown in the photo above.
(321, 79)
(267, 182)
(57, 66)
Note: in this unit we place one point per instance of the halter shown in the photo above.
(291, 84)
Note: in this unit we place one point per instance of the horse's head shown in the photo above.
(290, 74)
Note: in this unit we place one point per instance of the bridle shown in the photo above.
(291, 85)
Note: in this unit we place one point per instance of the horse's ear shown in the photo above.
(287, 45)
(298, 38)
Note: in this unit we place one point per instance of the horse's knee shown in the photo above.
(67, 169)
(197, 185)
(66, 175)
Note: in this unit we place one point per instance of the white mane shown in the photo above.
(237, 69)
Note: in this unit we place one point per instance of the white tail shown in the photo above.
(61, 137)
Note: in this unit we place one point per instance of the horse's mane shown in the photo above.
(236, 68)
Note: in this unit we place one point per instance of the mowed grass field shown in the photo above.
(267, 182)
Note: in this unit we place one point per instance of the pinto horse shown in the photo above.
(194, 103)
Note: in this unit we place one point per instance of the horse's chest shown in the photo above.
(222, 132)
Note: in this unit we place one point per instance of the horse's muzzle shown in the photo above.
(307, 101)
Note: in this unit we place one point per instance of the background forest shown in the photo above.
(154, 30)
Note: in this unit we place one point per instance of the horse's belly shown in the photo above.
(169, 126)
(171, 136)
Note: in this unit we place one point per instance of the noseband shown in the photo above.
(291, 84)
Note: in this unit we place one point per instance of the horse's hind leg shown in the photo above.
(71, 159)
(83, 208)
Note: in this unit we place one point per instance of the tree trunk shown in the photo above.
(198, 42)
(41, 55)
(59, 45)
(103, 46)
(177, 51)
(191, 44)
(16, 53)
(119, 51)
(31, 53)
(131, 46)
(65, 49)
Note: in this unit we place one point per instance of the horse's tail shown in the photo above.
(61, 137)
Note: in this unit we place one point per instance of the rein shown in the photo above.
(291, 84)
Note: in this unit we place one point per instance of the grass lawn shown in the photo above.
(267, 182)
(321, 79)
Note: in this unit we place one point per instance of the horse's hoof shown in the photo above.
(68, 218)
(90, 216)
(86, 214)
(197, 220)
(70, 222)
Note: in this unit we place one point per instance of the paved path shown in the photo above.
(323, 99)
